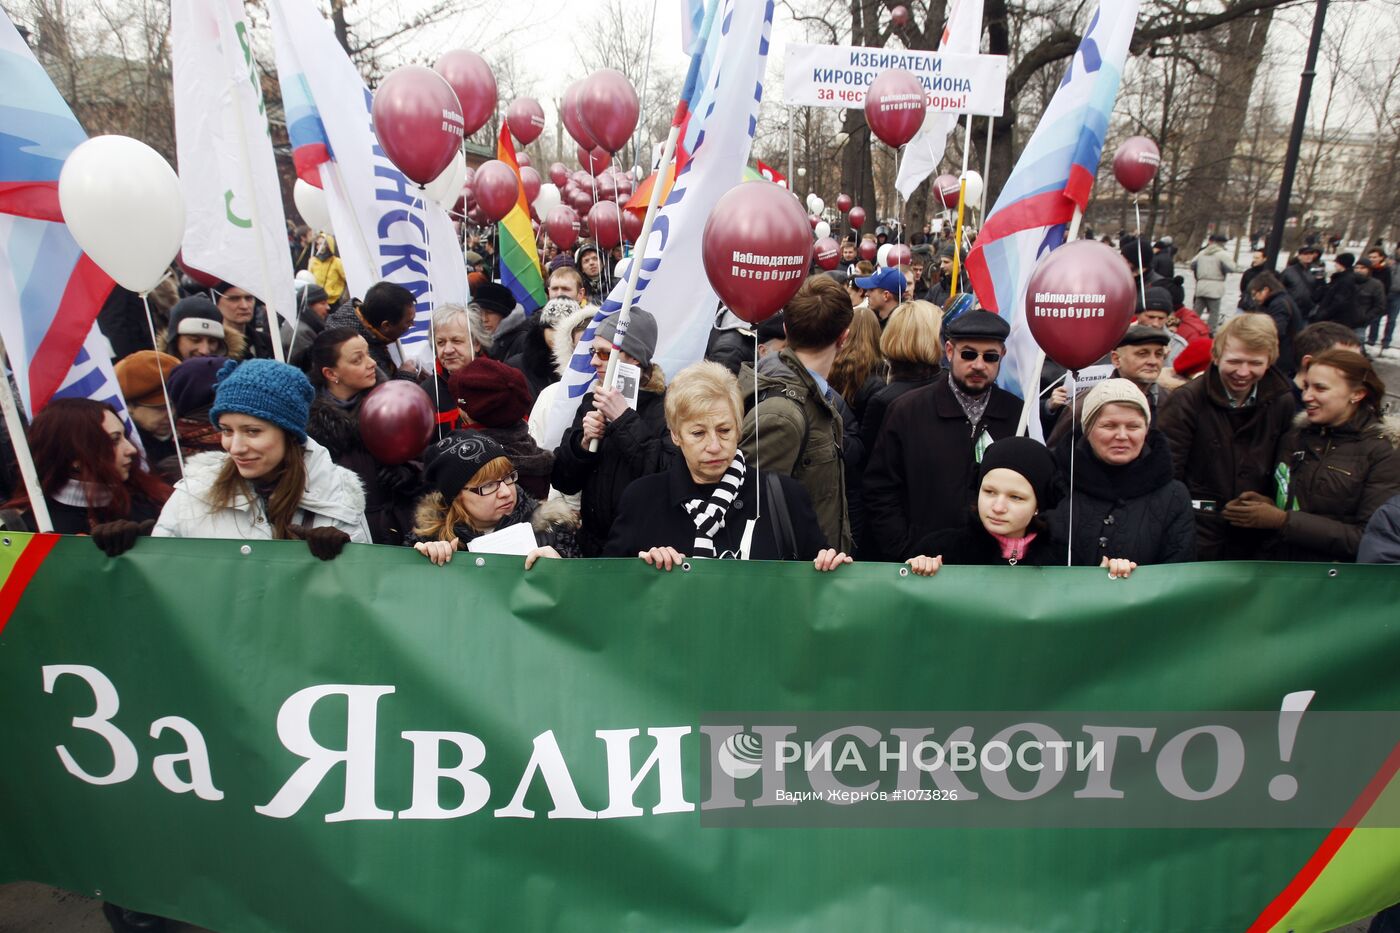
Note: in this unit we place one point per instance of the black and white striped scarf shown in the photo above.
(709, 513)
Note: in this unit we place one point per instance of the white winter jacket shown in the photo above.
(333, 497)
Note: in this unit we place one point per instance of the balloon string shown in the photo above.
(757, 475)
(165, 393)
(1142, 280)
(1071, 389)
(432, 331)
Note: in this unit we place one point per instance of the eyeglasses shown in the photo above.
(604, 354)
(489, 489)
(988, 356)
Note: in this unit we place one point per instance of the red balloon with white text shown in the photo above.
(756, 248)
(1079, 302)
(417, 120)
(894, 106)
(474, 83)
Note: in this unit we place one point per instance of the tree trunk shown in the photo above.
(1210, 166)
(342, 28)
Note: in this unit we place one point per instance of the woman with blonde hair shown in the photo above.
(707, 502)
(912, 344)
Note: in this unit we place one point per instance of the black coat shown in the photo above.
(970, 545)
(1341, 302)
(880, 402)
(633, 446)
(920, 476)
(1288, 321)
(652, 514)
(1136, 511)
(1302, 285)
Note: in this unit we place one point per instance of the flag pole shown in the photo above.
(634, 268)
(20, 444)
(986, 172)
(962, 199)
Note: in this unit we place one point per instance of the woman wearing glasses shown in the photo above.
(631, 444)
(475, 492)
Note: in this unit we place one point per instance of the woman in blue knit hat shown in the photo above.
(270, 481)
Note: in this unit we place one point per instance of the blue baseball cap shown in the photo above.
(890, 279)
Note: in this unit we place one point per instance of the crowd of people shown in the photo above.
(863, 422)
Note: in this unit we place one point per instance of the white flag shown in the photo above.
(235, 227)
(378, 215)
(963, 34)
(722, 91)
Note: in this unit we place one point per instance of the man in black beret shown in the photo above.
(922, 472)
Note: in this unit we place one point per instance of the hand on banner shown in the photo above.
(925, 566)
(1252, 510)
(830, 558)
(536, 553)
(593, 427)
(662, 558)
(439, 552)
(1118, 567)
(611, 403)
(120, 536)
(325, 542)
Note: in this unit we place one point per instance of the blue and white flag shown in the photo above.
(720, 101)
(378, 214)
(1052, 179)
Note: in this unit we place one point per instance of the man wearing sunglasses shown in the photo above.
(921, 472)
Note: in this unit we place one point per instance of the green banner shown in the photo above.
(243, 737)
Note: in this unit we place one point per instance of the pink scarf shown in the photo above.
(1014, 549)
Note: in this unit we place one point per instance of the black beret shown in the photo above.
(1141, 333)
(977, 325)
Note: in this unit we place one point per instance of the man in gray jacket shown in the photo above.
(1210, 266)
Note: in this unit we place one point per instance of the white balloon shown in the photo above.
(121, 201)
(974, 186)
(447, 187)
(823, 229)
(311, 205)
(880, 255)
(548, 199)
(816, 204)
(621, 269)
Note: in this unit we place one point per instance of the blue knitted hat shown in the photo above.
(264, 389)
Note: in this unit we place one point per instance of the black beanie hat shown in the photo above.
(1026, 457)
(1345, 260)
(450, 464)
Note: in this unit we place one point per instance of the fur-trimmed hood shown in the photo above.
(543, 516)
(331, 491)
(1385, 427)
(561, 339)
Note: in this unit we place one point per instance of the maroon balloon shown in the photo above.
(581, 202)
(607, 108)
(607, 187)
(474, 83)
(568, 112)
(631, 226)
(867, 250)
(523, 159)
(558, 174)
(525, 117)
(1135, 163)
(582, 180)
(530, 179)
(813, 220)
(946, 190)
(898, 255)
(757, 248)
(856, 217)
(605, 224)
(843, 202)
(418, 122)
(900, 15)
(894, 106)
(396, 421)
(827, 252)
(198, 276)
(594, 161)
(496, 189)
(1080, 302)
(562, 226)
(475, 215)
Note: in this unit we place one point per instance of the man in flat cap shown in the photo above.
(1139, 358)
(921, 472)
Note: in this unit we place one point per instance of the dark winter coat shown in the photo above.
(1337, 478)
(652, 514)
(1381, 542)
(1288, 321)
(1370, 295)
(297, 341)
(634, 445)
(901, 381)
(449, 416)
(534, 357)
(1341, 302)
(554, 523)
(801, 435)
(506, 341)
(1135, 511)
(1164, 262)
(1220, 452)
(1303, 286)
(731, 348)
(390, 492)
(920, 476)
(971, 545)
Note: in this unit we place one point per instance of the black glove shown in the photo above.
(325, 542)
(120, 536)
(404, 481)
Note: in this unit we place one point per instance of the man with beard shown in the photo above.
(920, 476)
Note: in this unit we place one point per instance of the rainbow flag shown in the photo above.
(515, 243)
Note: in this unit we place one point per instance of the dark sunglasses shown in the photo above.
(603, 355)
(988, 356)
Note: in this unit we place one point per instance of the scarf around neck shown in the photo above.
(709, 512)
(974, 406)
(1014, 549)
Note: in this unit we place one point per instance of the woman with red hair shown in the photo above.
(91, 474)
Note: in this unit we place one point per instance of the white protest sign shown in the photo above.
(838, 75)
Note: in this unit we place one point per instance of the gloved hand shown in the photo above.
(325, 542)
(120, 536)
(403, 481)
